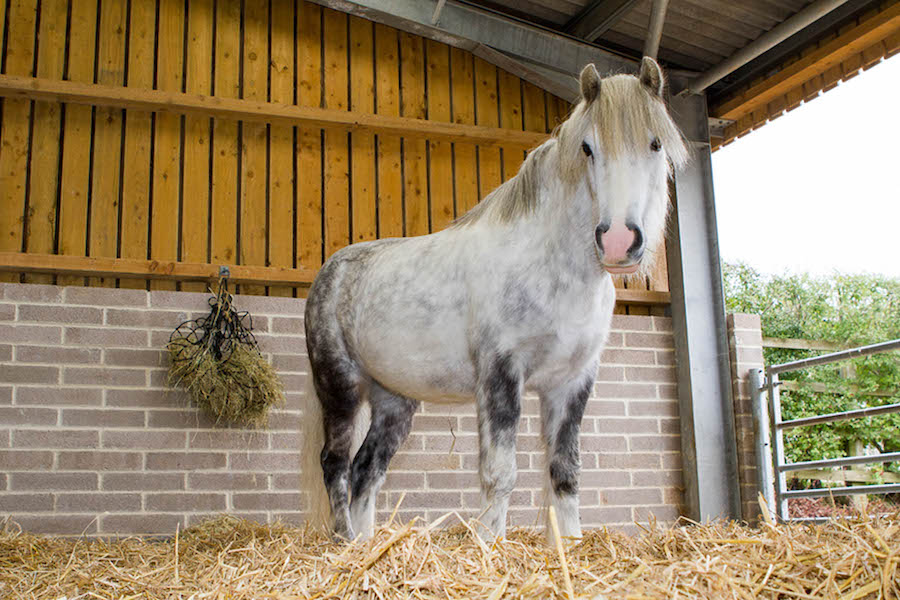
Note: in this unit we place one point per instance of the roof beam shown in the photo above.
(870, 31)
(466, 27)
(597, 18)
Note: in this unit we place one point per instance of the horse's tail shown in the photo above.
(312, 432)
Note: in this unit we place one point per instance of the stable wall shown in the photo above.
(93, 441)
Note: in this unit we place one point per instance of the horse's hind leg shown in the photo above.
(561, 412)
(391, 421)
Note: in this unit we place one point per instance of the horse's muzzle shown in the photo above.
(621, 247)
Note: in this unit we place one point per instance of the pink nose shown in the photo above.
(615, 243)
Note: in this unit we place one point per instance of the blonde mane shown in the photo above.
(622, 113)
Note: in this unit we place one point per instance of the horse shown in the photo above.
(517, 294)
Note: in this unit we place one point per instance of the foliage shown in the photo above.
(849, 310)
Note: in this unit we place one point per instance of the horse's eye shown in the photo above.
(586, 149)
(655, 145)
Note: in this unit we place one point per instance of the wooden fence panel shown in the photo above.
(118, 179)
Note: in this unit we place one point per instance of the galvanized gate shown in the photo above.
(770, 428)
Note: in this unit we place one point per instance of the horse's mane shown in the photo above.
(622, 113)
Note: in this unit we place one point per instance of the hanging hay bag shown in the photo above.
(217, 360)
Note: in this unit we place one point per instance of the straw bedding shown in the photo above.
(234, 559)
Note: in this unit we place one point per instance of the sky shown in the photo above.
(818, 189)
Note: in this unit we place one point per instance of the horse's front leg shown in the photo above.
(561, 413)
(499, 405)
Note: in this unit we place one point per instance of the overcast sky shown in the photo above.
(818, 189)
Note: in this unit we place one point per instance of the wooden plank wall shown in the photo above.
(111, 182)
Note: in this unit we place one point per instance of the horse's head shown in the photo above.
(620, 144)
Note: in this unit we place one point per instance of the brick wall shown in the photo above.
(745, 344)
(92, 440)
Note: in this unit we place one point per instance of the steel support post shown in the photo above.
(781, 503)
(698, 315)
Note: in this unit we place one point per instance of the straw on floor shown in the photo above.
(234, 559)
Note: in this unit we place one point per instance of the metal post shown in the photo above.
(764, 472)
(654, 33)
(772, 385)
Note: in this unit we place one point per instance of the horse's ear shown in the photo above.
(590, 83)
(651, 76)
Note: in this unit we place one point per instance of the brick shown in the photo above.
(743, 321)
(597, 516)
(106, 502)
(141, 524)
(632, 323)
(654, 374)
(12, 373)
(749, 356)
(286, 441)
(632, 460)
(603, 443)
(670, 425)
(135, 358)
(57, 524)
(662, 324)
(453, 481)
(56, 439)
(224, 439)
(185, 461)
(518, 497)
(604, 408)
(138, 398)
(105, 337)
(632, 496)
(114, 377)
(102, 418)
(97, 296)
(649, 340)
(141, 481)
(627, 425)
(147, 319)
(53, 481)
(404, 481)
(26, 503)
(291, 325)
(267, 501)
(273, 305)
(15, 416)
(606, 374)
(658, 443)
(56, 355)
(650, 408)
(7, 312)
(624, 390)
(184, 301)
(232, 481)
(621, 356)
(68, 396)
(6, 394)
(604, 479)
(667, 391)
(615, 340)
(30, 292)
(264, 461)
(100, 461)
(442, 443)
(192, 502)
(283, 421)
(431, 499)
(291, 481)
(150, 440)
(658, 478)
(425, 461)
(665, 358)
(60, 314)
(5, 353)
(179, 419)
(25, 460)
(281, 344)
(661, 513)
(290, 363)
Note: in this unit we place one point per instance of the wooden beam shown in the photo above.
(261, 112)
(91, 266)
(597, 18)
(831, 54)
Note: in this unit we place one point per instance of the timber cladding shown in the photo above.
(109, 147)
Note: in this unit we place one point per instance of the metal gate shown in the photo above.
(770, 428)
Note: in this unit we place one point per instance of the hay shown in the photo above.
(235, 559)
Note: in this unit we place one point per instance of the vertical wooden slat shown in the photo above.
(511, 118)
(138, 133)
(554, 118)
(75, 178)
(254, 140)
(362, 145)
(489, 175)
(337, 167)
(198, 79)
(309, 140)
(412, 105)
(390, 184)
(440, 180)
(534, 107)
(164, 219)
(44, 177)
(223, 216)
(104, 217)
(281, 142)
(16, 117)
(465, 178)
